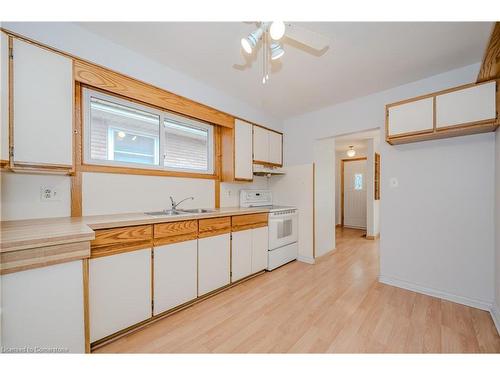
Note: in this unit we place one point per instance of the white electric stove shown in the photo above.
(283, 227)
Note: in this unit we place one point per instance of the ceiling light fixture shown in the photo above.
(276, 51)
(351, 152)
(250, 42)
(277, 30)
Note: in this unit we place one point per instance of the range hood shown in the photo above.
(267, 171)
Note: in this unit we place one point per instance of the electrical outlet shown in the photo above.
(49, 194)
(228, 193)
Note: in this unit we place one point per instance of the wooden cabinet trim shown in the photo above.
(178, 231)
(214, 226)
(108, 80)
(251, 221)
(121, 240)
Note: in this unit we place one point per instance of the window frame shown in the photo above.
(159, 168)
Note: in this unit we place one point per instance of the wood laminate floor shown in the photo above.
(334, 306)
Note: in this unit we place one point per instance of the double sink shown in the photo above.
(177, 212)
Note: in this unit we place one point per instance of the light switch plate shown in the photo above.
(49, 194)
(394, 182)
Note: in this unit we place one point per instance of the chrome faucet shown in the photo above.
(174, 205)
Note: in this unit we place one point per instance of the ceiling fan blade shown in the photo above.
(305, 36)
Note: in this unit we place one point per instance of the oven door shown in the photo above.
(282, 229)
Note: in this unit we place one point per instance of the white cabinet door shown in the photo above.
(43, 308)
(213, 263)
(411, 117)
(43, 106)
(241, 254)
(119, 292)
(243, 162)
(472, 104)
(260, 144)
(175, 275)
(4, 96)
(259, 249)
(275, 148)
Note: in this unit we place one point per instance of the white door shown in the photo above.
(119, 292)
(243, 162)
(259, 249)
(213, 263)
(355, 193)
(275, 148)
(175, 275)
(241, 254)
(260, 144)
(43, 105)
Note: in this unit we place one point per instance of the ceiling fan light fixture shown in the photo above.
(351, 152)
(251, 40)
(277, 30)
(276, 51)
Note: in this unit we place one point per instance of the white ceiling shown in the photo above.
(363, 58)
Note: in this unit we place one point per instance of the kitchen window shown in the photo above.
(119, 132)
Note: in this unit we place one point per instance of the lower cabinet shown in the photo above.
(175, 275)
(249, 252)
(259, 249)
(241, 255)
(213, 262)
(119, 292)
(43, 308)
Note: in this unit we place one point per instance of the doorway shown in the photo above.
(353, 192)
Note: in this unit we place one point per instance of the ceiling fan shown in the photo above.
(271, 33)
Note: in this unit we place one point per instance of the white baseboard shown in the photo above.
(306, 259)
(495, 315)
(482, 305)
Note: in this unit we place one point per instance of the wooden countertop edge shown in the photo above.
(92, 223)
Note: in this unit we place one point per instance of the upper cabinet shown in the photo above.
(412, 117)
(243, 150)
(468, 109)
(470, 105)
(267, 146)
(42, 98)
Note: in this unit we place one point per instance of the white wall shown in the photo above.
(107, 193)
(20, 194)
(230, 192)
(496, 308)
(437, 227)
(324, 192)
(295, 188)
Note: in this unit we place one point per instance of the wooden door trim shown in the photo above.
(342, 177)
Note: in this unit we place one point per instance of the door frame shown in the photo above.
(342, 161)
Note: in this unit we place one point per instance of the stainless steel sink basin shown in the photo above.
(197, 211)
(179, 212)
(165, 213)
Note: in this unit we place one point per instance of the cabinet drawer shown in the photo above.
(120, 240)
(167, 233)
(214, 226)
(243, 222)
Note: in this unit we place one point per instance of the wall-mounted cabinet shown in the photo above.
(236, 143)
(42, 108)
(464, 110)
(267, 146)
